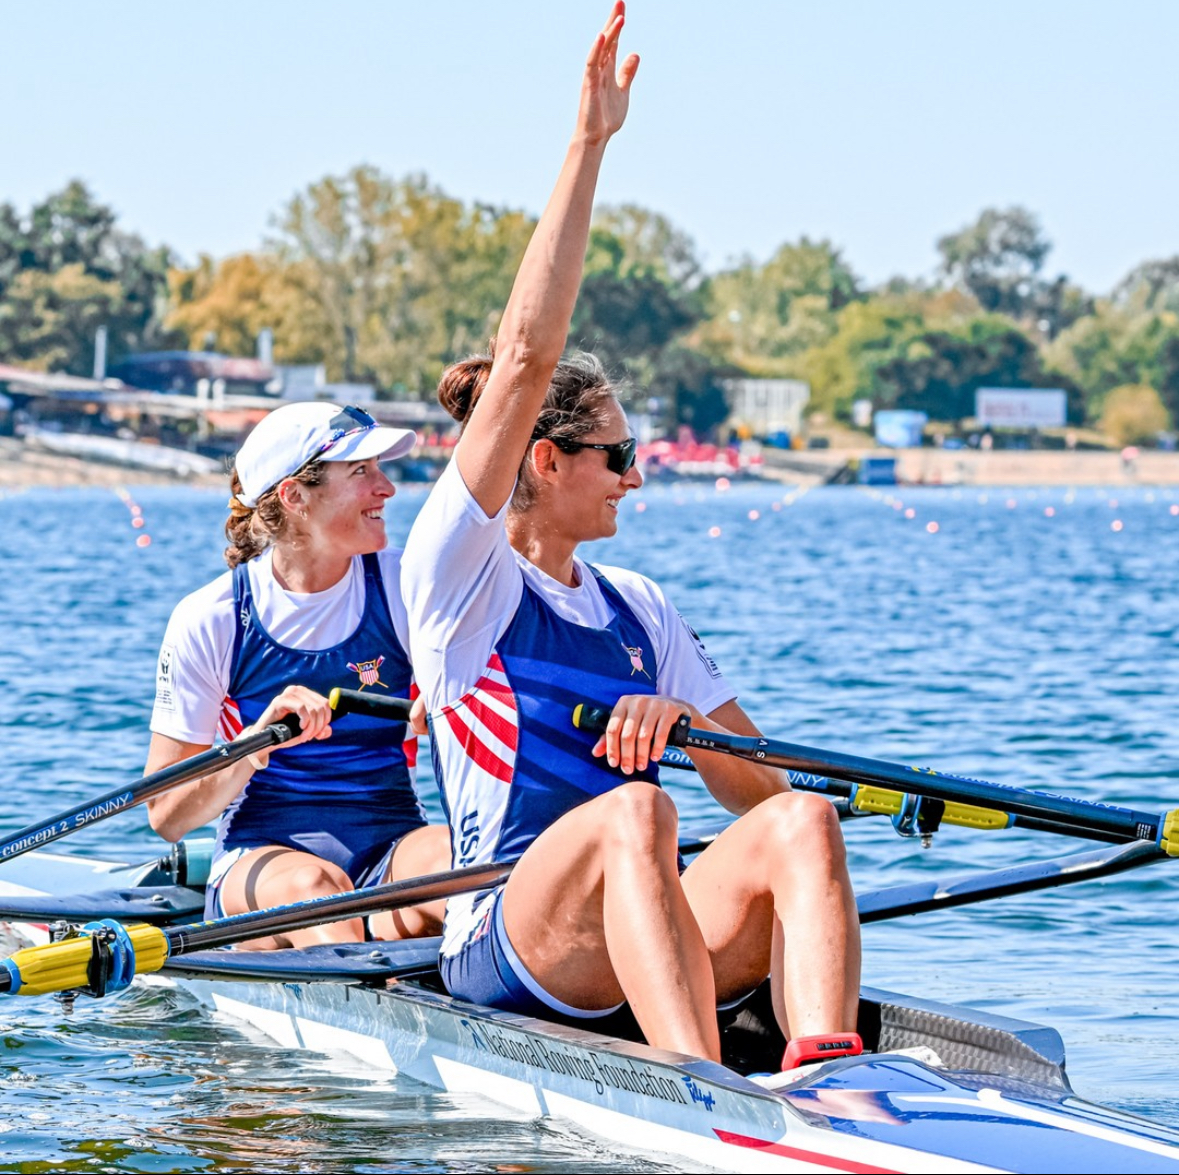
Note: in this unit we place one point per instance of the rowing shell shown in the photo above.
(943, 1089)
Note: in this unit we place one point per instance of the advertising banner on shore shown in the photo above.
(1021, 407)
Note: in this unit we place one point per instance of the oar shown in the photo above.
(376, 960)
(107, 955)
(348, 963)
(1032, 809)
(119, 800)
(35, 836)
(920, 896)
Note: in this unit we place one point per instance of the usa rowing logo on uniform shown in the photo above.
(636, 661)
(369, 671)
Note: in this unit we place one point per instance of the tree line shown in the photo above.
(386, 281)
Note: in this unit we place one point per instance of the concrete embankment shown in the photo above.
(974, 467)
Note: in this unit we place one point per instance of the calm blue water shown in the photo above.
(1029, 639)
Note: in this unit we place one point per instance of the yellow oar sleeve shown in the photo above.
(882, 801)
(64, 966)
(1169, 840)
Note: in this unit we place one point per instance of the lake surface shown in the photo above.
(1023, 636)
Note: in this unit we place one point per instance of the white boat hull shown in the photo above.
(946, 1089)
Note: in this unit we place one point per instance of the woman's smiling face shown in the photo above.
(588, 493)
(345, 514)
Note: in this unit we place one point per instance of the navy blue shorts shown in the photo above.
(372, 874)
(488, 971)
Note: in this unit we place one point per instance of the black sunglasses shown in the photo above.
(346, 422)
(619, 457)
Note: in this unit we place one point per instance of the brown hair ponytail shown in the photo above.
(576, 404)
(251, 529)
(462, 384)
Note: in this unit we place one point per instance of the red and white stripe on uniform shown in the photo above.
(229, 724)
(485, 723)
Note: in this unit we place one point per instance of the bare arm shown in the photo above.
(536, 320)
(175, 813)
(737, 784)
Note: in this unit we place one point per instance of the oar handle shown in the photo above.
(354, 701)
(594, 720)
(206, 763)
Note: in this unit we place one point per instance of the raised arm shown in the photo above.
(536, 321)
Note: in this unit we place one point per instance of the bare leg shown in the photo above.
(425, 850)
(596, 913)
(277, 876)
(771, 896)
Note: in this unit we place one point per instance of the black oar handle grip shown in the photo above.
(593, 720)
(353, 701)
(285, 729)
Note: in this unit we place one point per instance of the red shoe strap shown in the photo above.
(804, 1049)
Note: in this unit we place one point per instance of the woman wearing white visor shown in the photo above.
(311, 602)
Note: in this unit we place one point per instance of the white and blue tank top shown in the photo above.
(345, 798)
(508, 758)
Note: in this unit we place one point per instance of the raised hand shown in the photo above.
(605, 90)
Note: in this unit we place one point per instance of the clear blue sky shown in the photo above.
(878, 125)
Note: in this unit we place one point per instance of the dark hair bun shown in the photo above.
(462, 384)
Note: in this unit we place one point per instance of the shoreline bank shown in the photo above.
(1004, 467)
(25, 466)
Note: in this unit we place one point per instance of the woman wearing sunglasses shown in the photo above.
(312, 601)
(511, 630)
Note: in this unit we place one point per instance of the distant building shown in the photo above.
(197, 373)
(766, 406)
(308, 381)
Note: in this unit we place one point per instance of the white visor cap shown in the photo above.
(284, 441)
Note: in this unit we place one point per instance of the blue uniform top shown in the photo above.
(507, 756)
(345, 798)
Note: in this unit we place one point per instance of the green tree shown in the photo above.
(65, 269)
(692, 386)
(762, 317)
(868, 334)
(48, 320)
(231, 301)
(1134, 415)
(1118, 346)
(404, 278)
(1167, 374)
(629, 240)
(939, 371)
(1151, 287)
(998, 259)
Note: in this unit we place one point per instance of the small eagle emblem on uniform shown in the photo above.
(369, 671)
(636, 661)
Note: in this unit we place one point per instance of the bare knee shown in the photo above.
(425, 850)
(800, 829)
(638, 817)
(315, 879)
